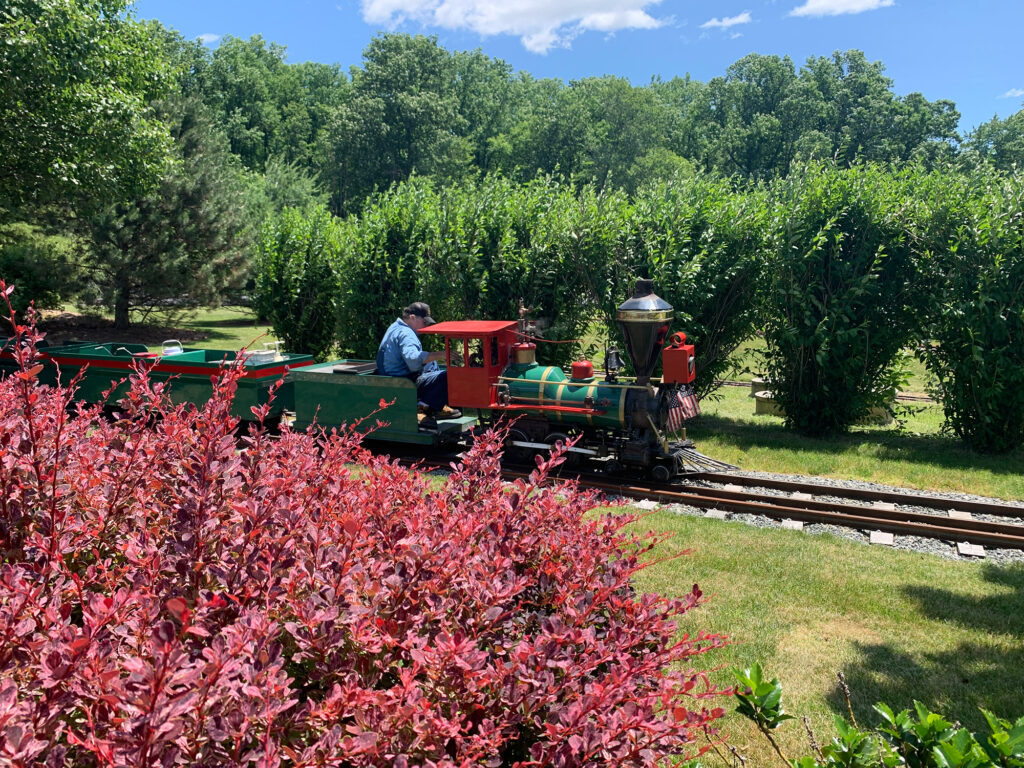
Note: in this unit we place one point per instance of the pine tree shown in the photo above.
(185, 243)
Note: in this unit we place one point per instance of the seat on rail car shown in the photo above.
(352, 368)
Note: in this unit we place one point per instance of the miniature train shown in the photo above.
(627, 424)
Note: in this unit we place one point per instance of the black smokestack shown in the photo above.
(644, 321)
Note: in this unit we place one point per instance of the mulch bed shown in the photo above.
(63, 327)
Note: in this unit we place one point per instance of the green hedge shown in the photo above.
(842, 270)
(475, 250)
(843, 293)
(975, 334)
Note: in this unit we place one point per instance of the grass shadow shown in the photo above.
(957, 681)
(891, 444)
(1000, 614)
(226, 322)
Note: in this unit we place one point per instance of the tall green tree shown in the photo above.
(749, 133)
(689, 110)
(402, 117)
(1000, 142)
(626, 125)
(76, 78)
(550, 133)
(184, 243)
(267, 107)
(487, 93)
(865, 120)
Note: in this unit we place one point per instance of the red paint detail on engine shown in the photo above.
(582, 369)
(677, 361)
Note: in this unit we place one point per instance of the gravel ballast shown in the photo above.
(940, 547)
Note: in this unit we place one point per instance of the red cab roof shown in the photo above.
(470, 327)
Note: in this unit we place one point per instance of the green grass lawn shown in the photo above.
(899, 625)
(228, 328)
(915, 456)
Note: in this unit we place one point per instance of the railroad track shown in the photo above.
(863, 509)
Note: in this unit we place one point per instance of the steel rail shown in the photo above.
(993, 534)
(999, 535)
(908, 498)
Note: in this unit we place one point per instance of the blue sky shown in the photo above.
(970, 52)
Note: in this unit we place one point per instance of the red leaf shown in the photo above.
(31, 373)
(178, 608)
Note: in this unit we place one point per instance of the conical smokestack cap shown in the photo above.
(644, 320)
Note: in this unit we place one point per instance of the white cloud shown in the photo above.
(837, 7)
(208, 38)
(540, 24)
(727, 21)
(1013, 93)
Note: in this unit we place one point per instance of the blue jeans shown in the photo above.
(432, 389)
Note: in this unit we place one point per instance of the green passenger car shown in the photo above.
(187, 372)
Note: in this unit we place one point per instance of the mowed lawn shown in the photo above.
(228, 328)
(913, 455)
(222, 328)
(900, 626)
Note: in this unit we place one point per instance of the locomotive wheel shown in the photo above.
(661, 473)
(518, 454)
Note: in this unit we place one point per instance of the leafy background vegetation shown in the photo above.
(809, 203)
(807, 206)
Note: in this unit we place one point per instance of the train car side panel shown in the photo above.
(344, 391)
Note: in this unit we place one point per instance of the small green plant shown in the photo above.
(761, 702)
(1005, 745)
(918, 739)
(915, 739)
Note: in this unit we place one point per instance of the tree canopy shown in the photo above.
(85, 88)
(75, 79)
(413, 107)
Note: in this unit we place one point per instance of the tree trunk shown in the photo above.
(121, 305)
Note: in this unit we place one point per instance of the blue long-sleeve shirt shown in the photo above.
(400, 352)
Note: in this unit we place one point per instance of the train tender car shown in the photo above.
(626, 423)
(188, 373)
(343, 392)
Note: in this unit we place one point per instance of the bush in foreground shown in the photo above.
(167, 599)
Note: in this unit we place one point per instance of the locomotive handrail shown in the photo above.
(548, 341)
(530, 406)
(571, 383)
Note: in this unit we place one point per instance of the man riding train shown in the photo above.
(401, 354)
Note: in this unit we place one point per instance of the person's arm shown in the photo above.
(412, 351)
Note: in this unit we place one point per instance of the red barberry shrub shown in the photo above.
(167, 598)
